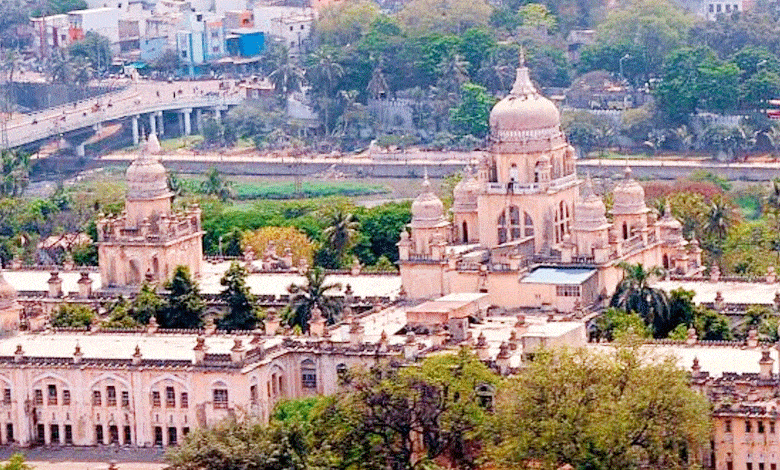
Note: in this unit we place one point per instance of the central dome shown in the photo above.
(524, 109)
(146, 176)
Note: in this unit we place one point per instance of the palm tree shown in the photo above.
(720, 218)
(313, 293)
(82, 72)
(216, 185)
(285, 76)
(15, 172)
(341, 230)
(324, 70)
(635, 295)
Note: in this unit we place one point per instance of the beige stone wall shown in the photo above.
(424, 280)
(127, 264)
(138, 210)
(273, 380)
(735, 448)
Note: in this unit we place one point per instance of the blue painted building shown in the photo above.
(245, 42)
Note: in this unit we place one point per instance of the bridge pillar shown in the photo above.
(161, 124)
(187, 123)
(218, 114)
(152, 123)
(135, 130)
(198, 120)
(80, 150)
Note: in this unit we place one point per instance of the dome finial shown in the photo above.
(627, 173)
(522, 56)
(426, 182)
(587, 189)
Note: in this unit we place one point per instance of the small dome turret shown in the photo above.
(589, 210)
(465, 193)
(628, 196)
(7, 293)
(146, 176)
(427, 209)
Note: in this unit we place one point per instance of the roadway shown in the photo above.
(133, 99)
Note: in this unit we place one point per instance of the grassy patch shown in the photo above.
(309, 189)
(169, 145)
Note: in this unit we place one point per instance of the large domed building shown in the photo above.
(523, 231)
(148, 240)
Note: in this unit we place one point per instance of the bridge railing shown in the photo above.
(35, 132)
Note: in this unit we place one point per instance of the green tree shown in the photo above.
(184, 306)
(718, 86)
(761, 87)
(340, 232)
(216, 185)
(146, 304)
(241, 444)
(449, 16)
(16, 462)
(15, 172)
(618, 409)
(73, 316)
(59, 67)
(711, 325)
(470, 117)
(119, 316)
(242, 313)
(345, 23)
(314, 293)
(719, 218)
(616, 324)
(285, 75)
(635, 295)
(655, 27)
(375, 420)
(95, 48)
(677, 94)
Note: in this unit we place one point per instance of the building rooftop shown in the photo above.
(732, 292)
(561, 276)
(364, 285)
(118, 346)
(716, 360)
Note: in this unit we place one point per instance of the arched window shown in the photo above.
(513, 174)
(465, 232)
(666, 261)
(514, 229)
(308, 374)
(562, 219)
(529, 225)
(502, 228)
(625, 230)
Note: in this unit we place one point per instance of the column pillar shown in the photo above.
(161, 124)
(80, 150)
(135, 130)
(198, 120)
(218, 114)
(180, 119)
(152, 123)
(187, 123)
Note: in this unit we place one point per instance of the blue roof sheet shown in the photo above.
(562, 276)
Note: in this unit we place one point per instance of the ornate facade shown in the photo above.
(523, 232)
(151, 388)
(148, 240)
